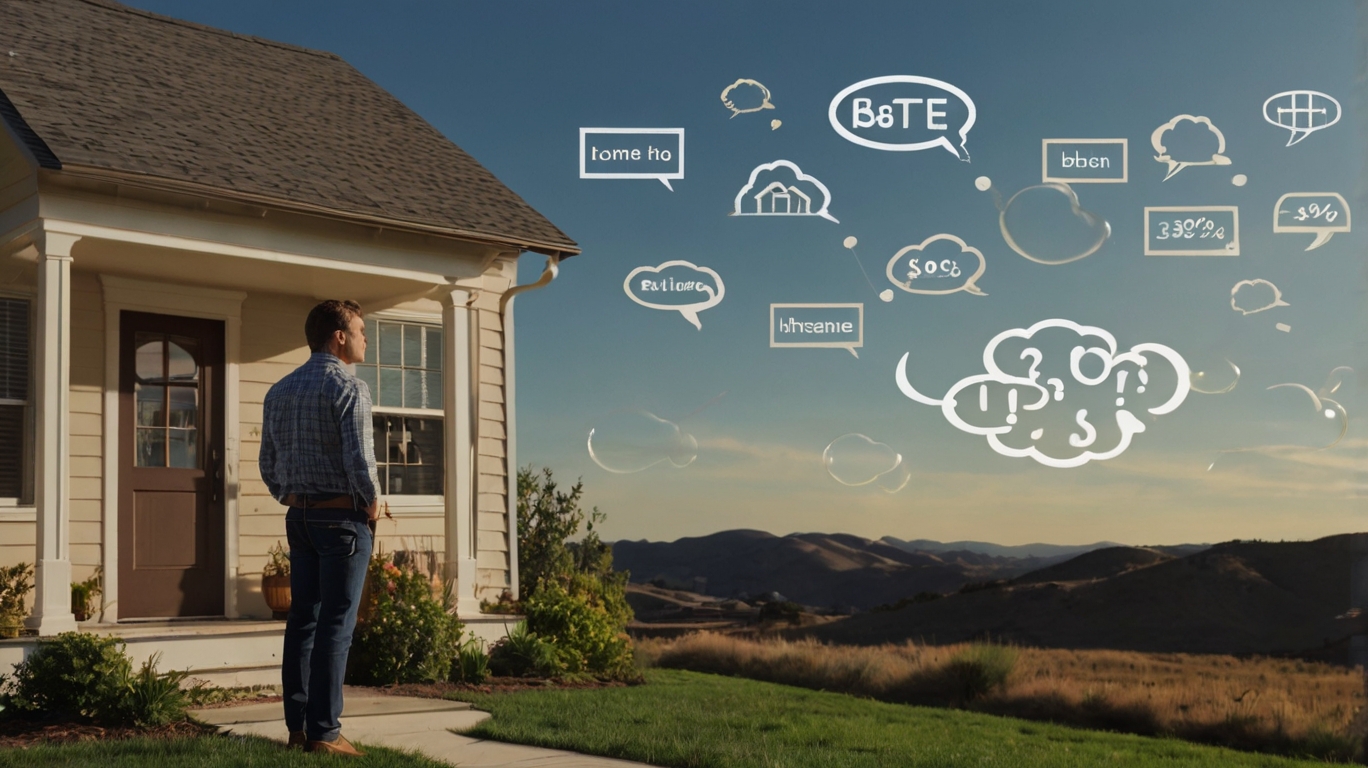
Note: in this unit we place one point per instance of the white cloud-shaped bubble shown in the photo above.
(769, 192)
(856, 459)
(1025, 410)
(633, 440)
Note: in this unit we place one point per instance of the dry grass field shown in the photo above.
(1273, 705)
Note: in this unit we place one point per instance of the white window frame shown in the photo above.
(413, 504)
(14, 508)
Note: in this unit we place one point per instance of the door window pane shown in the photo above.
(183, 448)
(151, 447)
(181, 365)
(184, 411)
(150, 403)
(147, 361)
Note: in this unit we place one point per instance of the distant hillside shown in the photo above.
(823, 570)
(998, 550)
(1250, 597)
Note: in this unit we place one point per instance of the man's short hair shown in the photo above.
(327, 318)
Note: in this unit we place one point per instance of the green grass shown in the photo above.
(692, 720)
(202, 752)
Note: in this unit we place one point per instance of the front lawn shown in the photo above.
(692, 720)
(200, 752)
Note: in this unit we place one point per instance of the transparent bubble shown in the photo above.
(1217, 381)
(855, 459)
(894, 480)
(632, 440)
(1046, 224)
(1339, 380)
(1294, 415)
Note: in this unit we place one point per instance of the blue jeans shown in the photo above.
(328, 563)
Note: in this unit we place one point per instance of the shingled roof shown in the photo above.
(92, 85)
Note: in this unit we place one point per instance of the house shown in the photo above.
(792, 200)
(173, 200)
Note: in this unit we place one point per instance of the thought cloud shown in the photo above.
(857, 459)
(1301, 112)
(676, 286)
(907, 123)
(940, 271)
(1161, 138)
(746, 95)
(1250, 296)
(1319, 213)
(1060, 409)
(1045, 223)
(781, 188)
(632, 440)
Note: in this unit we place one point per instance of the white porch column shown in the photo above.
(459, 411)
(52, 465)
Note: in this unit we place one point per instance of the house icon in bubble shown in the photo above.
(781, 200)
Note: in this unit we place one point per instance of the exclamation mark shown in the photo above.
(1011, 406)
(1121, 386)
(1144, 379)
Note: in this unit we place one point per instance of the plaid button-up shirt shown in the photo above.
(316, 433)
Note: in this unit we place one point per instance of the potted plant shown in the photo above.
(275, 582)
(15, 583)
(83, 596)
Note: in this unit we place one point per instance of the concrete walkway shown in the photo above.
(411, 725)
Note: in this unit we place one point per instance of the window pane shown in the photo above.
(368, 374)
(425, 441)
(391, 387)
(151, 447)
(433, 389)
(147, 362)
(184, 411)
(184, 443)
(433, 340)
(413, 390)
(11, 451)
(396, 480)
(372, 341)
(14, 349)
(181, 363)
(150, 407)
(424, 480)
(413, 346)
(391, 344)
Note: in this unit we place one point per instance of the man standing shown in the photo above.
(318, 459)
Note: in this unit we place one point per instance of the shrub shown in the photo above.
(785, 610)
(77, 676)
(980, 668)
(521, 653)
(151, 698)
(587, 631)
(408, 636)
(83, 594)
(16, 582)
(472, 663)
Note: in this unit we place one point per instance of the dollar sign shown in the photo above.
(915, 270)
(1301, 214)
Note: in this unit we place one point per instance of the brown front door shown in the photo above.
(170, 466)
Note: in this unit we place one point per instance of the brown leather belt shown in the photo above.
(302, 501)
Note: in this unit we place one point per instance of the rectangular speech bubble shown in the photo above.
(817, 326)
(632, 153)
(1192, 230)
(1085, 161)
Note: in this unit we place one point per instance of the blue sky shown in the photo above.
(512, 83)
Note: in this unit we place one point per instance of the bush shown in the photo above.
(472, 663)
(583, 626)
(785, 610)
(980, 668)
(88, 678)
(16, 582)
(408, 635)
(521, 653)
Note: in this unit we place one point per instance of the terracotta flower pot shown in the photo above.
(276, 590)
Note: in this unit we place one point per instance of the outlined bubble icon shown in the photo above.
(939, 273)
(1301, 112)
(1163, 136)
(1249, 297)
(746, 95)
(1319, 213)
(676, 286)
(904, 113)
(781, 188)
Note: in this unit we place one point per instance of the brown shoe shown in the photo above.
(297, 740)
(339, 747)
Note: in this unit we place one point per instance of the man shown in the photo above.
(318, 459)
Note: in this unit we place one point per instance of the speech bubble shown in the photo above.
(750, 92)
(1125, 375)
(620, 158)
(776, 198)
(1303, 116)
(817, 326)
(1321, 213)
(1098, 166)
(1192, 230)
(863, 113)
(1250, 297)
(1157, 139)
(686, 287)
(916, 273)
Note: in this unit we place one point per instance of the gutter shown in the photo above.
(510, 410)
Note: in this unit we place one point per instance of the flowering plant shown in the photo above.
(408, 635)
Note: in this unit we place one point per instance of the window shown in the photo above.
(16, 412)
(167, 401)
(403, 368)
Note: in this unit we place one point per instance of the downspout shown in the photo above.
(510, 409)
